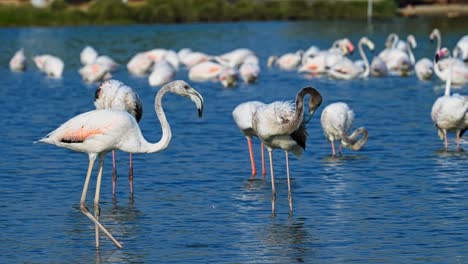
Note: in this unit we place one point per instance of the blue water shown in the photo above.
(401, 199)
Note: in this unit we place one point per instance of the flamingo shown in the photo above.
(88, 55)
(337, 119)
(50, 65)
(447, 65)
(100, 131)
(209, 70)
(288, 61)
(424, 69)
(191, 59)
(249, 72)
(95, 72)
(235, 57)
(242, 115)
(401, 62)
(450, 112)
(18, 61)
(282, 125)
(139, 64)
(324, 60)
(461, 49)
(347, 69)
(163, 72)
(113, 94)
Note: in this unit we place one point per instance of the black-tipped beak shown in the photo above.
(200, 112)
(437, 57)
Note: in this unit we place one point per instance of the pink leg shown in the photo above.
(263, 160)
(114, 173)
(333, 148)
(252, 161)
(130, 173)
(273, 189)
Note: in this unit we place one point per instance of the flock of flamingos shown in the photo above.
(278, 125)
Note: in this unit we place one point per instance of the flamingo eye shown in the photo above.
(186, 87)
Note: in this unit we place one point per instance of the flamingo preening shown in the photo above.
(281, 125)
(100, 131)
(336, 120)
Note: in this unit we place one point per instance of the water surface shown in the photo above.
(399, 200)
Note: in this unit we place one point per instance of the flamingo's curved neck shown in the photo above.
(148, 147)
(448, 82)
(364, 58)
(410, 51)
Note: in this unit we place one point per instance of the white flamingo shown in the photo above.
(139, 64)
(324, 60)
(193, 58)
(88, 55)
(95, 72)
(113, 94)
(337, 119)
(100, 131)
(450, 112)
(249, 72)
(18, 61)
(461, 49)
(243, 114)
(401, 62)
(210, 71)
(424, 69)
(280, 125)
(235, 57)
(163, 72)
(289, 61)
(50, 65)
(107, 62)
(347, 69)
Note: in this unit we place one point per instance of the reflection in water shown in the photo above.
(286, 242)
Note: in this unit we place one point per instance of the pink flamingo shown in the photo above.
(100, 131)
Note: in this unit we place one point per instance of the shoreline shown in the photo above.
(448, 11)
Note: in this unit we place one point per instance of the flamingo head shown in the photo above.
(442, 53)
(182, 88)
(228, 77)
(435, 32)
(347, 46)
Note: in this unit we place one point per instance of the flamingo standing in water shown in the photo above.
(336, 120)
(449, 112)
(281, 125)
(100, 131)
(243, 115)
(113, 94)
(347, 69)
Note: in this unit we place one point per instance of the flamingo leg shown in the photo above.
(97, 210)
(84, 209)
(444, 132)
(130, 173)
(333, 148)
(273, 189)
(458, 140)
(263, 159)
(114, 173)
(252, 161)
(289, 182)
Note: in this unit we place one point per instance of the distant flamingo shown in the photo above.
(100, 131)
(243, 115)
(235, 57)
(461, 49)
(289, 61)
(113, 94)
(50, 65)
(18, 61)
(446, 65)
(162, 73)
(450, 112)
(281, 125)
(210, 71)
(88, 55)
(249, 71)
(139, 64)
(347, 69)
(336, 120)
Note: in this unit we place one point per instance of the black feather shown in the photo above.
(300, 136)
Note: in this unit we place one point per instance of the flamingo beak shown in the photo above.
(198, 100)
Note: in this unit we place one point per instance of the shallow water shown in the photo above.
(401, 199)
